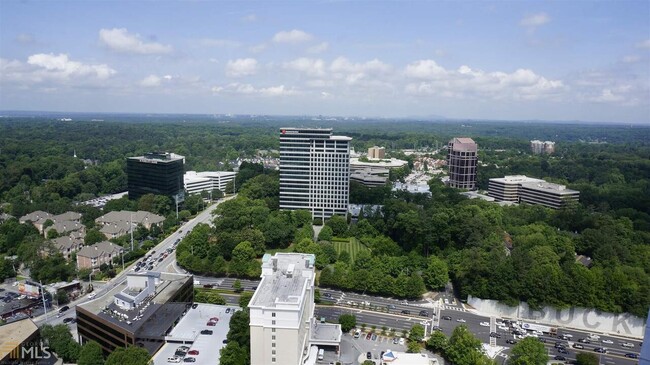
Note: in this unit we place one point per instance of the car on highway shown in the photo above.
(485, 324)
(510, 341)
(594, 337)
(560, 358)
(92, 295)
(390, 307)
(584, 340)
(609, 342)
(406, 311)
(208, 286)
(424, 313)
(628, 345)
(578, 346)
(631, 355)
(446, 318)
(562, 350)
(206, 332)
(601, 350)
(461, 320)
(327, 295)
(495, 335)
(174, 359)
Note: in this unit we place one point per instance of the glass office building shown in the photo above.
(155, 173)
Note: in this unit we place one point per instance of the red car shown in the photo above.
(211, 323)
(193, 352)
(368, 335)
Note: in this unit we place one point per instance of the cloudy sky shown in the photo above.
(561, 60)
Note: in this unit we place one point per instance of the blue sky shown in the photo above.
(561, 60)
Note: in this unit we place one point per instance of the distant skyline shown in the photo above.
(503, 60)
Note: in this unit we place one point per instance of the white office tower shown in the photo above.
(314, 171)
(281, 310)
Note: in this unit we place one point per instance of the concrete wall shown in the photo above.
(587, 319)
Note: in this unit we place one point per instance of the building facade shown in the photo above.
(155, 173)
(196, 182)
(314, 171)
(376, 152)
(538, 147)
(281, 310)
(93, 256)
(550, 195)
(462, 158)
(507, 189)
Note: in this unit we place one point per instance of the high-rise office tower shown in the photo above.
(314, 171)
(155, 173)
(462, 156)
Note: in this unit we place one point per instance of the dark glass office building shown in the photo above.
(155, 173)
(462, 157)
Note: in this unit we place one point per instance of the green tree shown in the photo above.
(131, 355)
(584, 358)
(93, 236)
(338, 224)
(417, 333)
(60, 340)
(347, 322)
(245, 298)
(243, 257)
(91, 354)
(437, 341)
(202, 295)
(436, 275)
(325, 234)
(368, 362)
(237, 285)
(234, 354)
(413, 347)
(528, 351)
(62, 297)
(463, 348)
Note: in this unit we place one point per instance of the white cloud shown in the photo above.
(645, 44)
(292, 36)
(241, 67)
(308, 66)
(319, 48)
(248, 89)
(60, 66)
(607, 96)
(535, 20)
(426, 70)
(151, 81)
(120, 40)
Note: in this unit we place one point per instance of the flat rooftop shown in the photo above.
(188, 332)
(105, 307)
(403, 358)
(15, 333)
(516, 179)
(156, 157)
(285, 277)
(549, 187)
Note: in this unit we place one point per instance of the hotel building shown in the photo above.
(314, 171)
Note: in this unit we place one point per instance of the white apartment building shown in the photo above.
(538, 147)
(506, 189)
(314, 171)
(281, 309)
(196, 182)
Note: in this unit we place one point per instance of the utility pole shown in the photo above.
(43, 297)
(131, 225)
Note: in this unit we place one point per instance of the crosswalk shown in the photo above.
(454, 308)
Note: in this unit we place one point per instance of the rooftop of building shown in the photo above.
(285, 279)
(464, 144)
(138, 217)
(403, 358)
(549, 187)
(379, 163)
(65, 226)
(15, 333)
(36, 216)
(152, 312)
(515, 179)
(158, 157)
(188, 331)
(66, 242)
(99, 249)
(67, 216)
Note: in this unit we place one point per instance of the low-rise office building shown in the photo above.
(550, 195)
(93, 256)
(196, 182)
(18, 343)
(282, 323)
(140, 313)
(370, 177)
(507, 189)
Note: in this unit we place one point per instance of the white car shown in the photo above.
(609, 342)
(594, 337)
(485, 324)
(627, 344)
(92, 295)
(461, 320)
(174, 359)
(402, 341)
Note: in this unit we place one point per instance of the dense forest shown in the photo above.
(413, 243)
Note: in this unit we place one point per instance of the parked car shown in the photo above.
(193, 352)
(211, 324)
(174, 359)
(395, 340)
(67, 320)
(194, 305)
(368, 336)
(189, 359)
(357, 334)
(227, 310)
(214, 319)
(368, 355)
(206, 332)
(402, 341)
(374, 337)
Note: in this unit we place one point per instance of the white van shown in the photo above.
(321, 354)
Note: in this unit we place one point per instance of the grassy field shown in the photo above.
(352, 246)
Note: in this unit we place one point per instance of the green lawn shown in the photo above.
(352, 246)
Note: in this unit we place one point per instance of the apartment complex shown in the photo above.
(196, 182)
(462, 157)
(93, 256)
(282, 324)
(314, 171)
(523, 189)
(155, 173)
(539, 147)
(376, 153)
(141, 313)
(119, 223)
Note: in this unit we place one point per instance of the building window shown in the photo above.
(273, 314)
(272, 329)
(273, 322)
(273, 337)
(273, 352)
(273, 344)
(273, 359)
